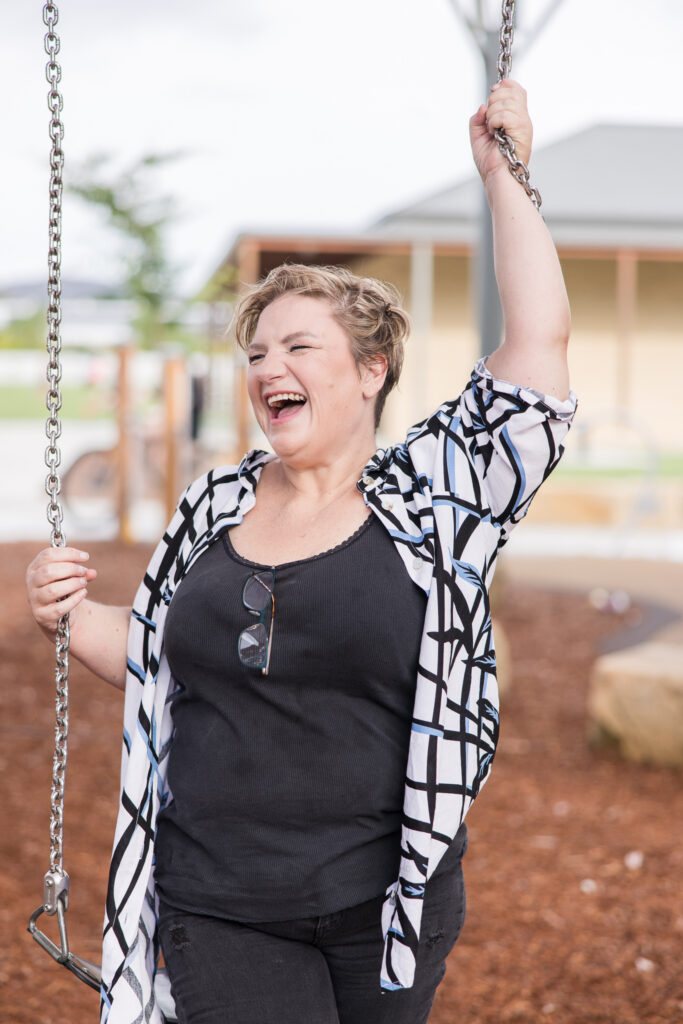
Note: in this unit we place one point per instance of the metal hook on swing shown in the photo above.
(56, 902)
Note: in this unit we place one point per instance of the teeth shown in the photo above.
(285, 396)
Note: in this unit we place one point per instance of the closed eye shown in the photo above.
(254, 357)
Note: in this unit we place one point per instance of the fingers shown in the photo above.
(41, 575)
(48, 616)
(478, 125)
(56, 581)
(501, 116)
(497, 106)
(55, 564)
(64, 554)
(507, 109)
(508, 87)
(506, 99)
(52, 592)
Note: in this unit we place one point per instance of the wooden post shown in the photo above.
(249, 266)
(212, 336)
(242, 408)
(627, 284)
(175, 424)
(123, 458)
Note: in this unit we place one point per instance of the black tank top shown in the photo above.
(288, 787)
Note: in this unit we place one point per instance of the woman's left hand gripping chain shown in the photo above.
(507, 109)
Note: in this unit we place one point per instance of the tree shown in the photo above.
(142, 218)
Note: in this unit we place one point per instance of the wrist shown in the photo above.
(75, 619)
(498, 180)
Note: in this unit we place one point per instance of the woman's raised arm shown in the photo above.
(536, 312)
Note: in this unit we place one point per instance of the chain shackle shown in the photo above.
(53, 427)
(518, 169)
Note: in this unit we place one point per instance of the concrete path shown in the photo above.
(653, 582)
(23, 501)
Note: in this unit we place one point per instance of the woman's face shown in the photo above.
(308, 395)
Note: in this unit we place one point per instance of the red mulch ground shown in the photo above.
(537, 947)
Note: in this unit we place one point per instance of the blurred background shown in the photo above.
(202, 151)
(203, 147)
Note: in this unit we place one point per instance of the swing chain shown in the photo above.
(60, 753)
(53, 428)
(56, 881)
(518, 169)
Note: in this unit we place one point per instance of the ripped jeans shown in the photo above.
(316, 970)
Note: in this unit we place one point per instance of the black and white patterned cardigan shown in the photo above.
(449, 497)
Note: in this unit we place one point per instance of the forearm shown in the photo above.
(532, 291)
(98, 639)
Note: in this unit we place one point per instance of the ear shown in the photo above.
(373, 375)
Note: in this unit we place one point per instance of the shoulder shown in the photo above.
(221, 481)
(218, 493)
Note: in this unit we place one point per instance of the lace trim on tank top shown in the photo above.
(235, 555)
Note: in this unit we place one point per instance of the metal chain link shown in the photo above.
(518, 169)
(53, 431)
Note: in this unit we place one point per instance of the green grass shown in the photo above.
(83, 403)
(28, 403)
(670, 466)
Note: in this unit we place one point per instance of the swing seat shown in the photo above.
(87, 971)
(83, 969)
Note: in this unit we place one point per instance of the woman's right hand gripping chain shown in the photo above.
(56, 583)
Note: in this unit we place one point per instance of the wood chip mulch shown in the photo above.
(575, 866)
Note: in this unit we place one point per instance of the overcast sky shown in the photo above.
(299, 114)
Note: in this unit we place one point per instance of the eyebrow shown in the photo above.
(286, 340)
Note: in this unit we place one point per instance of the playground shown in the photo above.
(575, 899)
(575, 862)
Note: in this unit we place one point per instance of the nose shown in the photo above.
(269, 367)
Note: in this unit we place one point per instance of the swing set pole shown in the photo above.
(488, 300)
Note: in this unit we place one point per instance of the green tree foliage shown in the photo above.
(141, 216)
(222, 285)
(24, 332)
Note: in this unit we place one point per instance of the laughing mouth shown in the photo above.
(284, 401)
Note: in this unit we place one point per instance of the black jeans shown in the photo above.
(318, 970)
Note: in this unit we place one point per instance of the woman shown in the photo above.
(301, 649)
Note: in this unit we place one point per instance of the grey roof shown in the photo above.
(72, 288)
(609, 185)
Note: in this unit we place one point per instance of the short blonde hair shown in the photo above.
(370, 312)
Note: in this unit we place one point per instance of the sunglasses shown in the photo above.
(254, 642)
